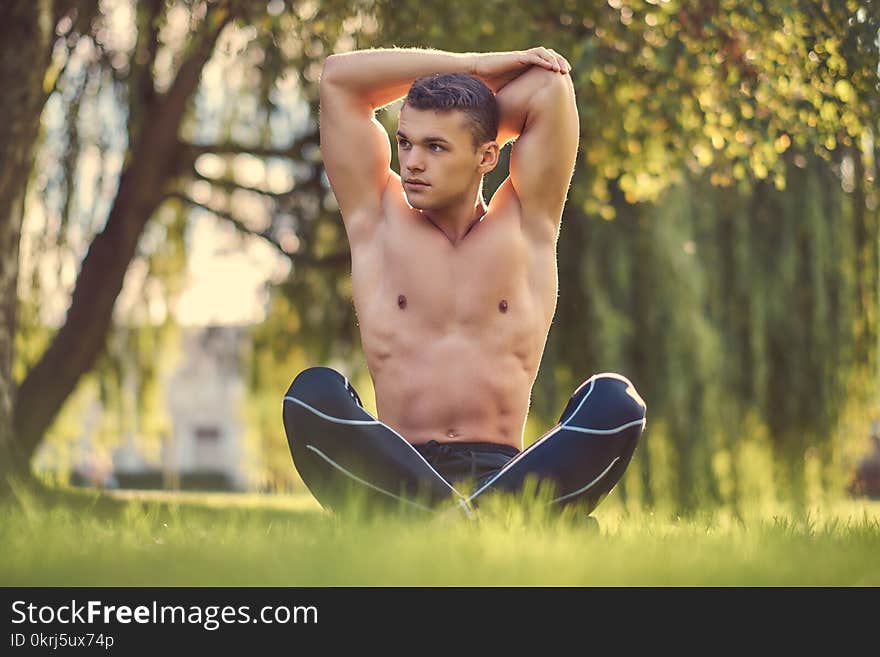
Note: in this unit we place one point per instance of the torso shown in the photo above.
(453, 335)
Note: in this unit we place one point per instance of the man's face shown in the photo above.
(437, 149)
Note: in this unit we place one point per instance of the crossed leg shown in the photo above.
(336, 445)
(586, 453)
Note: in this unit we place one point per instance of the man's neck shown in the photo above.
(458, 220)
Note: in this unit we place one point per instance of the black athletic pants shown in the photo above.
(337, 446)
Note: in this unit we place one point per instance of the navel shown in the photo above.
(401, 301)
(502, 306)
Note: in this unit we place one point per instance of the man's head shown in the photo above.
(446, 138)
(456, 91)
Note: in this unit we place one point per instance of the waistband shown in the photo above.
(495, 448)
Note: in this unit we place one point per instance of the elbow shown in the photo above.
(330, 70)
(556, 90)
(330, 83)
(542, 78)
(556, 85)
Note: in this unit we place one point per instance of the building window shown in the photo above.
(207, 435)
(208, 454)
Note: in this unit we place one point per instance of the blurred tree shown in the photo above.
(152, 56)
(153, 149)
(26, 40)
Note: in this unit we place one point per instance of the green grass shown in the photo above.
(76, 538)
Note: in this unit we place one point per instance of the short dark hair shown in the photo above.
(456, 91)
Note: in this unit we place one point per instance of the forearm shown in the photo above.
(382, 76)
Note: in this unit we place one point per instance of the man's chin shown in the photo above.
(418, 203)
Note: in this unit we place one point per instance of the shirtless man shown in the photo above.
(454, 297)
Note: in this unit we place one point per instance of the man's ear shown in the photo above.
(488, 153)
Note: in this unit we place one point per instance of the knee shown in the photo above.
(605, 401)
(313, 384)
(620, 392)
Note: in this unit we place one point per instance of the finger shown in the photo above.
(554, 60)
(543, 55)
(544, 61)
(544, 58)
(564, 66)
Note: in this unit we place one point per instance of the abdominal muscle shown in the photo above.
(452, 387)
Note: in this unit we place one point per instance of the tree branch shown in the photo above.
(190, 72)
(142, 89)
(332, 260)
(190, 152)
(237, 223)
(232, 186)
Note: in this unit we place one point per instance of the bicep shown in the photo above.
(542, 159)
(356, 154)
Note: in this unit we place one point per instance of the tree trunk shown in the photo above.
(26, 31)
(867, 277)
(142, 187)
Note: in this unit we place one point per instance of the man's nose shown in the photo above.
(414, 163)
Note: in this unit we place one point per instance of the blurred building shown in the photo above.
(205, 449)
(205, 396)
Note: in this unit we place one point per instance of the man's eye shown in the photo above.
(403, 143)
(436, 147)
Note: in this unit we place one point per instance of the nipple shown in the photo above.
(503, 306)
(401, 302)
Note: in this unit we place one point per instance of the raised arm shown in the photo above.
(538, 109)
(354, 145)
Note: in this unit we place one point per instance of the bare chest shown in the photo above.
(456, 287)
(414, 291)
